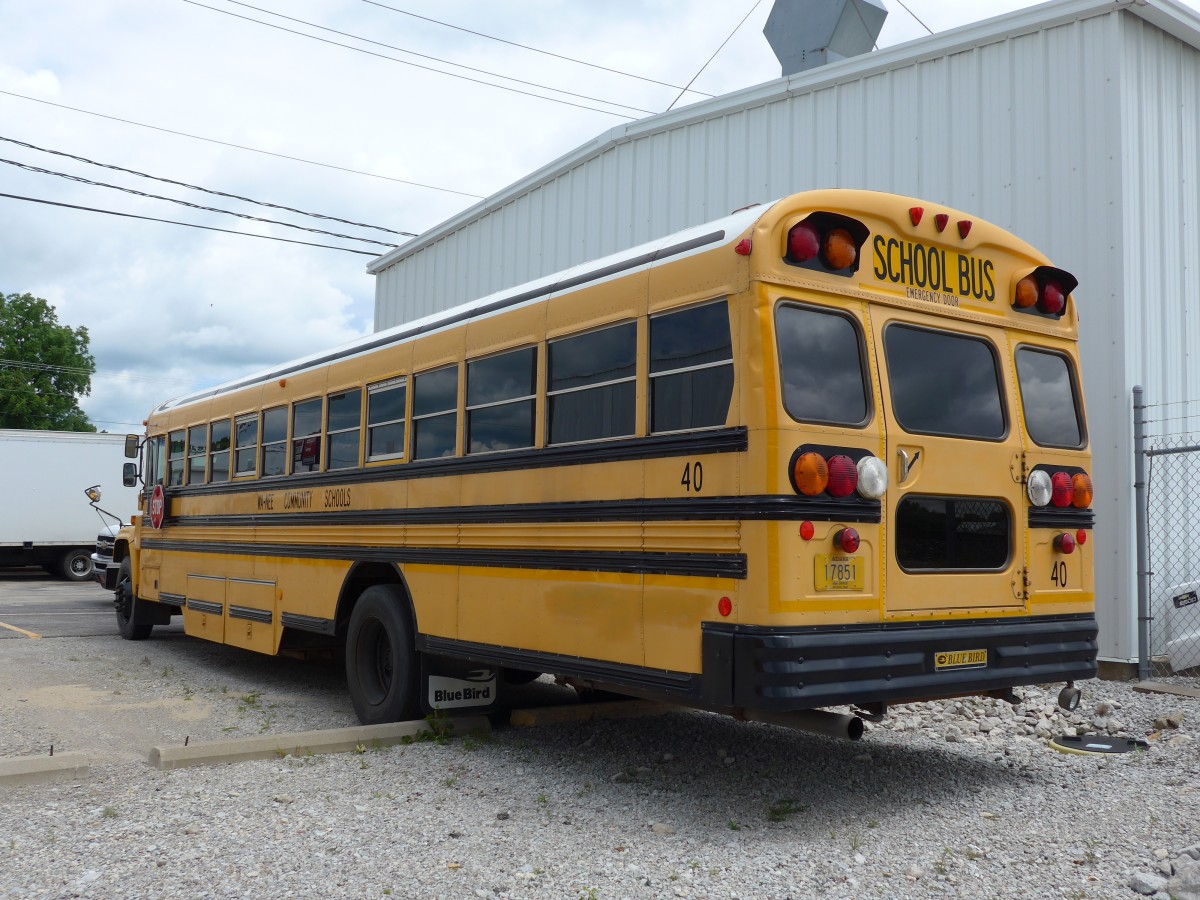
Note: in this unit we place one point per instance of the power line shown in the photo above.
(863, 22)
(197, 137)
(447, 62)
(492, 37)
(80, 370)
(111, 212)
(44, 367)
(194, 187)
(714, 56)
(115, 187)
(404, 62)
(109, 422)
(914, 15)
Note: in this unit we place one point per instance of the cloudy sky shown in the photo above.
(323, 129)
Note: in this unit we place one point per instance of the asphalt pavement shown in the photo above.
(35, 605)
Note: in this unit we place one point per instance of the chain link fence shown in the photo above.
(1168, 488)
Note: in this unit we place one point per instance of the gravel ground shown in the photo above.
(951, 799)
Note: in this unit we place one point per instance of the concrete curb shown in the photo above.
(302, 743)
(37, 769)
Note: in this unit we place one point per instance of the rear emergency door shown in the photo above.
(953, 514)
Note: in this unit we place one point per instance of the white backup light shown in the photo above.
(1038, 488)
(872, 477)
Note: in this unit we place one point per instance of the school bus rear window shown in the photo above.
(951, 533)
(945, 384)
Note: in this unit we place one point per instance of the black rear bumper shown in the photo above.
(806, 668)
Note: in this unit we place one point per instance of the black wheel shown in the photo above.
(76, 565)
(135, 618)
(381, 670)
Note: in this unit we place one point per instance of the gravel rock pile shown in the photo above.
(960, 798)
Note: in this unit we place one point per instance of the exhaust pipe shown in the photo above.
(816, 721)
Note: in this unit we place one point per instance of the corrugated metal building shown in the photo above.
(1075, 124)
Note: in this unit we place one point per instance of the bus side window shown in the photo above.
(218, 448)
(274, 441)
(155, 461)
(500, 397)
(176, 459)
(342, 429)
(197, 453)
(691, 368)
(306, 436)
(1049, 398)
(385, 419)
(821, 365)
(435, 413)
(245, 455)
(592, 379)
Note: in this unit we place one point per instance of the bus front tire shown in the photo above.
(135, 618)
(380, 657)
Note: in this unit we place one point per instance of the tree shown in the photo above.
(44, 367)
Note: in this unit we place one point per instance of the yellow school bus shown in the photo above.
(825, 452)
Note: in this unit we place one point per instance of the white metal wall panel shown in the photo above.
(1077, 129)
(1161, 241)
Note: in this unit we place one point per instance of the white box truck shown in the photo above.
(45, 518)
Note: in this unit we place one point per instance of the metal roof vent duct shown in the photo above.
(808, 33)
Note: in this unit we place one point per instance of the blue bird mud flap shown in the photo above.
(452, 687)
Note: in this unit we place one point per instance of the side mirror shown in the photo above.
(129, 474)
(131, 447)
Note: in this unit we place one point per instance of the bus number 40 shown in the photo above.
(1058, 573)
(693, 476)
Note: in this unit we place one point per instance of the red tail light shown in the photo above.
(1064, 543)
(803, 243)
(843, 476)
(1062, 492)
(1053, 302)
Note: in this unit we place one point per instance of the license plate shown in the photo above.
(959, 659)
(839, 573)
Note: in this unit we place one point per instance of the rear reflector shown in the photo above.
(846, 540)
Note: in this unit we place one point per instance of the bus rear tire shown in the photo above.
(135, 618)
(76, 565)
(380, 657)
